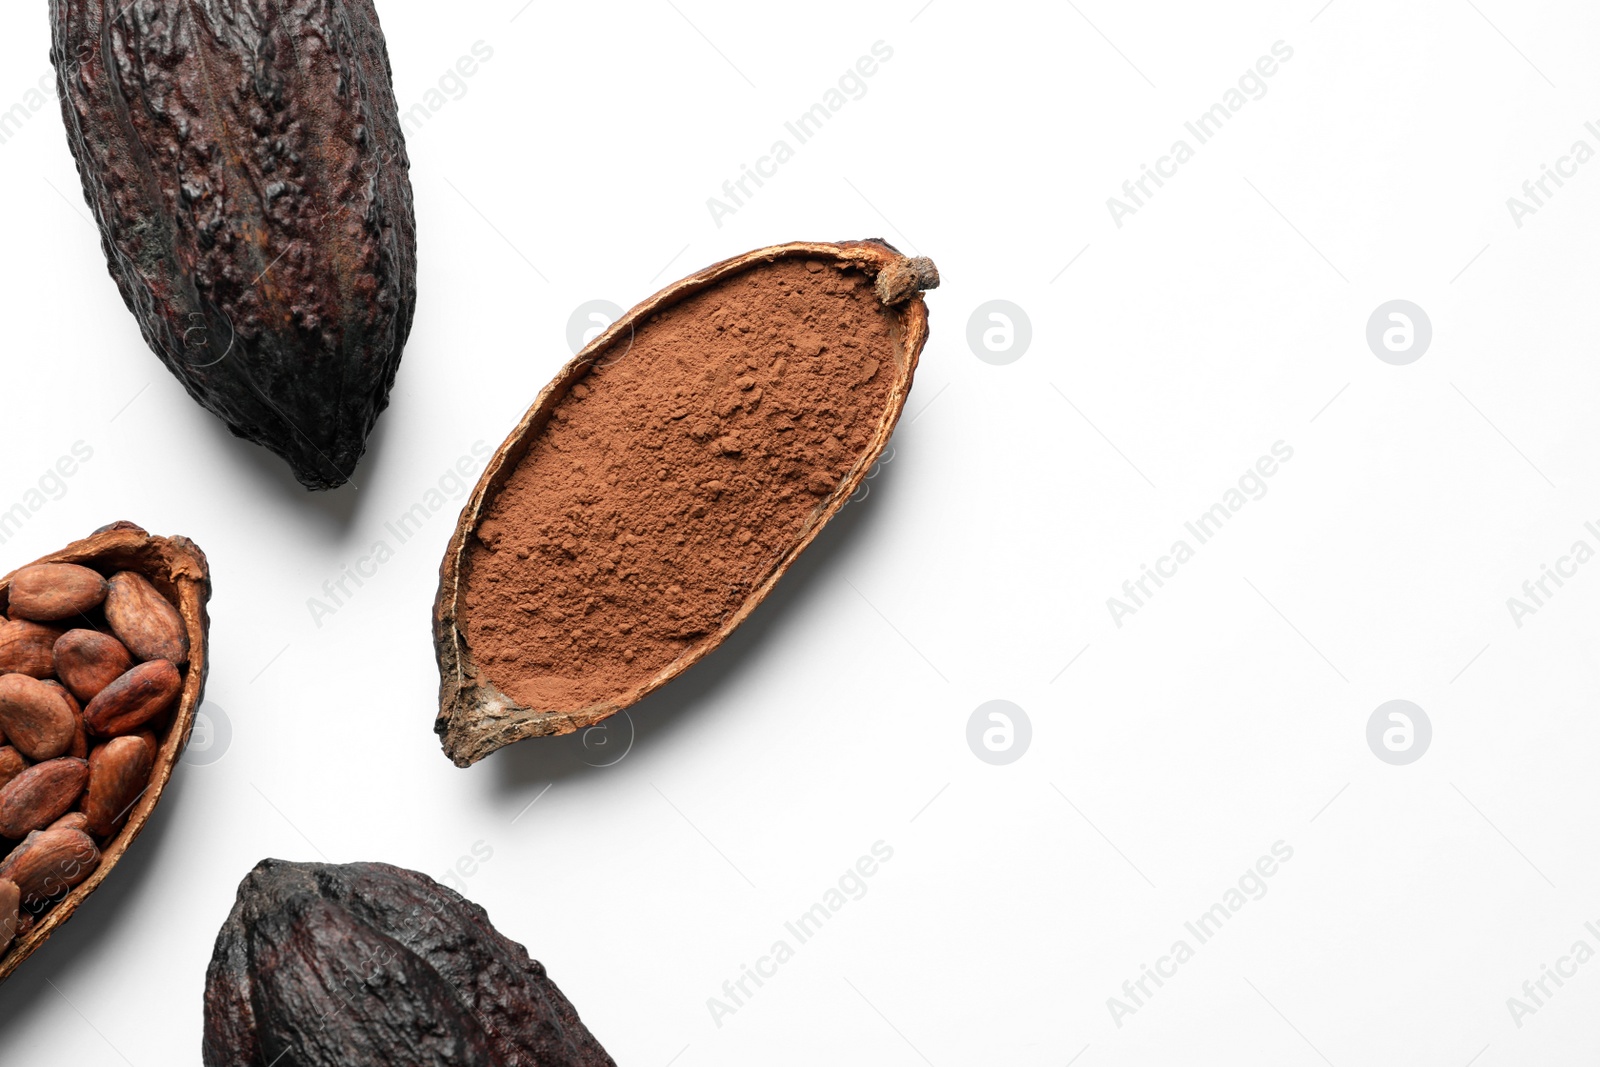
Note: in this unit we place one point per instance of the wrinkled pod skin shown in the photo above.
(247, 167)
(364, 964)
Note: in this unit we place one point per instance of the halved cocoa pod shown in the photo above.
(368, 965)
(118, 773)
(51, 592)
(61, 866)
(134, 699)
(42, 794)
(145, 621)
(705, 439)
(28, 648)
(248, 170)
(87, 661)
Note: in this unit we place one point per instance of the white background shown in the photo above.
(1228, 714)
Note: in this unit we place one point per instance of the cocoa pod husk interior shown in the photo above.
(663, 483)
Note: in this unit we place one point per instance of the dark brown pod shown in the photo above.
(367, 965)
(820, 328)
(51, 592)
(248, 170)
(177, 568)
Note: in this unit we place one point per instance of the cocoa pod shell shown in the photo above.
(10, 913)
(117, 773)
(42, 794)
(51, 592)
(87, 661)
(324, 965)
(247, 167)
(36, 716)
(28, 648)
(476, 714)
(48, 864)
(137, 697)
(178, 569)
(144, 621)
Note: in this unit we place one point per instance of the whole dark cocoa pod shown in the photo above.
(325, 965)
(247, 167)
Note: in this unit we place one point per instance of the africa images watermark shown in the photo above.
(452, 85)
(1536, 992)
(1252, 885)
(1252, 85)
(454, 484)
(50, 486)
(802, 129)
(1136, 592)
(1536, 592)
(851, 885)
(1537, 192)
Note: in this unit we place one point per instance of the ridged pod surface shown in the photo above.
(246, 164)
(364, 964)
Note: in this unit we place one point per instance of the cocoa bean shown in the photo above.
(87, 661)
(79, 749)
(50, 592)
(144, 621)
(137, 697)
(36, 717)
(41, 794)
(72, 820)
(11, 765)
(28, 648)
(118, 772)
(248, 170)
(326, 965)
(48, 863)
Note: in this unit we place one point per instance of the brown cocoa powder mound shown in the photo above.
(672, 479)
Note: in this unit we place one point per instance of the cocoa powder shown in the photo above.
(673, 478)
